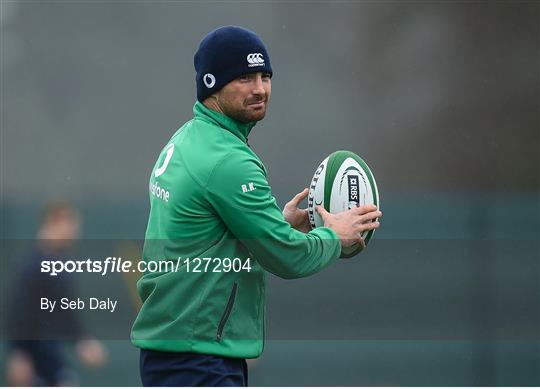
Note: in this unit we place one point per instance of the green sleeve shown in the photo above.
(240, 194)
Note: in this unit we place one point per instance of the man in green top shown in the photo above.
(213, 215)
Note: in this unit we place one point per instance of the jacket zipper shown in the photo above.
(227, 312)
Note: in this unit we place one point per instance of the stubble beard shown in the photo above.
(247, 115)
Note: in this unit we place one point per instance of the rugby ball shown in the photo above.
(341, 182)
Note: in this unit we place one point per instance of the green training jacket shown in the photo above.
(214, 218)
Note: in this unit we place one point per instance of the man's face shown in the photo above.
(61, 229)
(245, 98)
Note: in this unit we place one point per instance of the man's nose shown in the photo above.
(258, 87)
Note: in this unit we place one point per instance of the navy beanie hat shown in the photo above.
(226, 54)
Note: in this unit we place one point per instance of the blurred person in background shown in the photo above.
(36, 355)
(210, 199)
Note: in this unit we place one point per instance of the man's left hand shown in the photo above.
(297, 218)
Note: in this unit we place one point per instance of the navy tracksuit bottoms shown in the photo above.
(184, 369)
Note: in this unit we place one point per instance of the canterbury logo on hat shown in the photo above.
(255, 59)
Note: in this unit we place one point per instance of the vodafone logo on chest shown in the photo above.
(255, 59)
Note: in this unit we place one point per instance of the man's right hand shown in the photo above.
(349, 225)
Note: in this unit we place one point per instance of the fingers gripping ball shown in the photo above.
(342, 181)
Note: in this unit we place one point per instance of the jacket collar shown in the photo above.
(240, 130)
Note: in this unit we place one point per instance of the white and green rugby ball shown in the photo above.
(341, 182)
